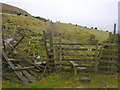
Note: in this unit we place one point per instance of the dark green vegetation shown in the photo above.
(31, 47)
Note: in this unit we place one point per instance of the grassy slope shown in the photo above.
(67, 31)
(79, 32)
(25, 22)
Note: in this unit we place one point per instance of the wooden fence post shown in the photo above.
(114, 34)
(17, 44)
(113, 58)
(51, 46)
(3, 38)
(117, 38)
(114, 28)
(110, 37)
(51, 37)
(96, 56)
(45, 44)
(60, 53)
(118, 55)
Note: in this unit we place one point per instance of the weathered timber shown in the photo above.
(85, 79)
(107, 72)
(30, 62)
(74, 44)
(17, 43)
(33, 73)
(5, 62)
(43, 41)
(66, 54)
(45, 44)
(24, 68)
(110, 67)
(63, 64)
(9, 45)
(108, 56)
(3, 38)
(60, 53)
(48, 56)
(110, 37)
(18, 73)
(75, 65)
(21, 77)
(26, 74)
(15, 60)
(51, 41)
(78, 49)
(108, 61)
(96, 56)
(114, 29)
(9, 78)
(79, 55)
(73, 59)
(57, 48)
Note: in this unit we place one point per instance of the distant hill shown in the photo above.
(9, 9)
(13, 10)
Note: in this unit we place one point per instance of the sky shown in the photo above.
(91, 13)
(119, 17)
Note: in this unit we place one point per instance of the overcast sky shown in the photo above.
(97, 13)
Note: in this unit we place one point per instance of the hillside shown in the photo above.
(13, 10)
(79, 33)
(69, 32)
(63, 30)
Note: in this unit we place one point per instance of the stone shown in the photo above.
(64, 77)
(85, 79)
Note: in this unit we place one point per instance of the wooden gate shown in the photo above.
(75, 57)
(82, 57)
